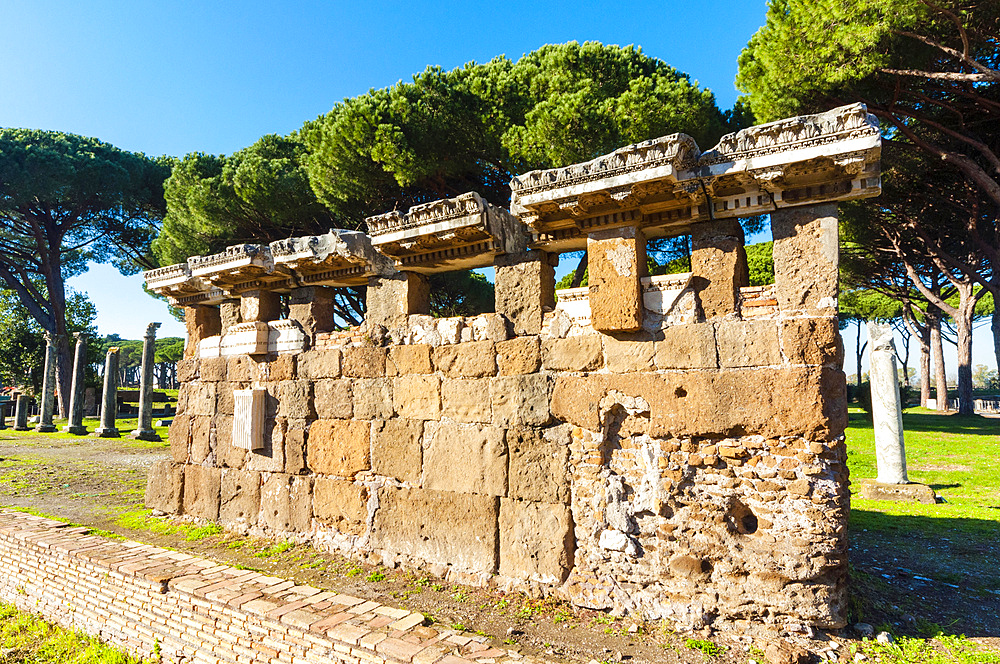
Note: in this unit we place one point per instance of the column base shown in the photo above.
(76, 431)
(106, 432)
(902, 493)
(144, 434)
(21, 429)
(46, 428)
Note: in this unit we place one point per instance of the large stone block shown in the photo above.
(396, 449)
(472, 359)
(806, 258)
(364, 362)
(539, 464)
(201, 438)
(295, 399)
(165, 486)
(465, 458)
(536, 541)
(333, 399)
(342, 504)
(525, 288)
(201, 399)
(259, 306)
(241, 369)
(201, 491)
(687, 347)
(314, 364)
(439, 527)
(718, 266)
(521, 355)
(227, 455)
(391, 299)
(814, 341)
(286, 503)
(417, 397)
(616, 260)
(271, 457)
(212, 369)
(466, 400)
(278, 368)
(573, 354)
(201, 322)
(372, 398)
(187, 370)
(313, 307)
(339, 447)
(240, 497)
(748, 343)
(295, 446)
(180, 438)
(412, 359)
(521, 400)
(225, 403)
(229, 313)
(628, 354)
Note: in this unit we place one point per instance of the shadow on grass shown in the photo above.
(912, 573)
(938, 487)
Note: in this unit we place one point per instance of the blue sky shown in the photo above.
(179, 77)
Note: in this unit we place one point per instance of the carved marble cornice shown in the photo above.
(454, 233)
(338, 258)
(667, 184)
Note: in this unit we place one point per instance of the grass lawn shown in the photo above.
(124, 426)
(920, 569)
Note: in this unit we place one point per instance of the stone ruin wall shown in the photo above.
(670, 446)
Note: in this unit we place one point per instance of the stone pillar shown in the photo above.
(391, 299)
(312, 307)
(75, 425)
(525, 289)
(887, 414)
(259, 306)
(201, 321)
(806, 259)
(718, 266)
(144, 430)
(109, 398)
(48, 386)
(3, 413)
(616, 260)
(21, 413)
(229, 313)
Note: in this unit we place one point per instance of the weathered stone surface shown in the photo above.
(240, 369)
(539, 464)
(912, 492)
(815, 341)
(333, 399)
(626, 355)
(536, 541)
(752, 343)
(391, 299)
(573, 354)
(229, 313)
(342, 504)
(212, 369)
(806, 258)
(525, 288)
(339, 447)
(187, 370)
(364, 362)
(417, 397)
(224, 401)
(180, 438)
(201, 399)
(396, 449)
(465, 458)
(687, 347)
(201, 491)
(295, 399)
(413, 359)
(201, 438)
(201, 322)
(521, 355)
(271, 457)
(617, 259)
(313, 308)
(165, 486)
(227, 455)
(468, 360)
(466, 400)
(286, 503)
(439, 527)
(718, 266)
(240, 497)
(372, 398)
(259, 305)
(295, 446)
(319, 363)
(521, 400)
(278, 368)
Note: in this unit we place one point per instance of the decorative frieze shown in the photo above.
(455, 233)
(338, 258)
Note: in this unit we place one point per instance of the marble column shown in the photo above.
(109, 398)
(887, 413)
(144, 430)
(48, 386)
(75, 425)
(21, 413)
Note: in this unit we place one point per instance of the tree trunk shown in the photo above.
(581, 267)
(963, 325)
(859, 352)
(925, 372)
(941, 379)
